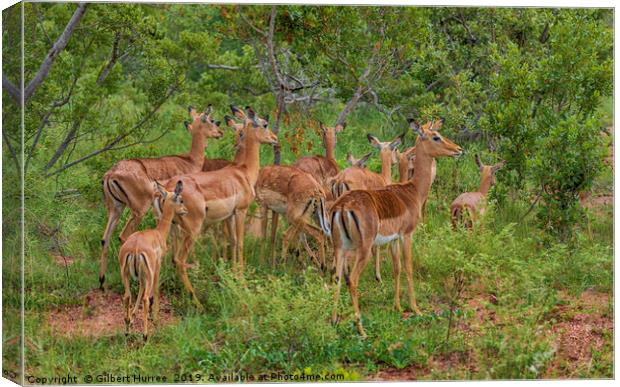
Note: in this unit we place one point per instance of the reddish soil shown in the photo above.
(582, 326)
(101, 314)
(63, 261)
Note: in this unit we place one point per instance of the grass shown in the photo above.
(276, 320)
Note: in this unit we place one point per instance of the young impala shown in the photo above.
(361, 219)
(141, 255)
(224, 194)
(129, 183)
(474, 203)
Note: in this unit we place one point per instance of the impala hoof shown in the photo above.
(101, 282)
(378, 278)
(145, 337)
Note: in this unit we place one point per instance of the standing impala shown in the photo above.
(323, 168)
(289, 191)
(224, 194)
(140, 258)
(355, 178)
(130, 182)
(474, 203)
(364, 218)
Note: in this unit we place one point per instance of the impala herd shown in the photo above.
(356, 209)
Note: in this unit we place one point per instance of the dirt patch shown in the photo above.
(412, 372)
(594, 202)
(584, 325)
(63, 261)
(101, 314)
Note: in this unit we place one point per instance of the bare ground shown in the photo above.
(101, 314)
(584, 324)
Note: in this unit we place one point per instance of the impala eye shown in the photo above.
(436, 138)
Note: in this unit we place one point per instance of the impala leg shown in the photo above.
(141, 295)
(226, 233)
(187, 243)
(240, 231)
(272, 238)
(126, 298)
(318, 235)
(146, 303)
(289, 233)
(424, 211)
(232, 237)
(364, 254)
(156, 294)
(264, 213)
(376, 250)
(394, 247)
(339, 260)
(409, 272)
(114, 214)
(132, 223)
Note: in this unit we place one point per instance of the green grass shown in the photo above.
(277, 319)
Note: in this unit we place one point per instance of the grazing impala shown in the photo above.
(289, 191)
(130, 182)
(474, 203)
(323, 168)
(141, 255)
(361, 219)
(224, 194)
(354, 178)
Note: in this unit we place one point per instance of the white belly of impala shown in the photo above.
(383, 239)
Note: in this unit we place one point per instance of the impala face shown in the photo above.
(202, 123)
(329, 133)
(433, 142)
(487, 172)
(255, 126)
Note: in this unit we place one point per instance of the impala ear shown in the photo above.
(350, 159)
(438, 124)
(187, 125)
(266, 118)
(364, 160)
(322, 126)
(203, 118)
(478, 162)
(178, 189)
(209, 109)
(497, 166)
(374, 141)
(416, 128)
(161, 190)
(340, 127)
(397, 141)
(250, 113)
(237, 112)
(229, 120)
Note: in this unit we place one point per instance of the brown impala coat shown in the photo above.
(474, 202)
(323, 168)
(363, 218)
(141, 255)
(289, 191)
(225, 194)
(130, 182)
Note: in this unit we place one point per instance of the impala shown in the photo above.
(474, 203)
(141, 255)
(323, 168)
(289, 191)
(355, 177)
(362, 219)
(130, 182)
(224, 194)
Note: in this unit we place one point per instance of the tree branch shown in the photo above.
(13, 91)
(118, 138)
(11, 150)
(60, 44)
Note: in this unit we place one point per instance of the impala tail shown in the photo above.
(321, 211)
